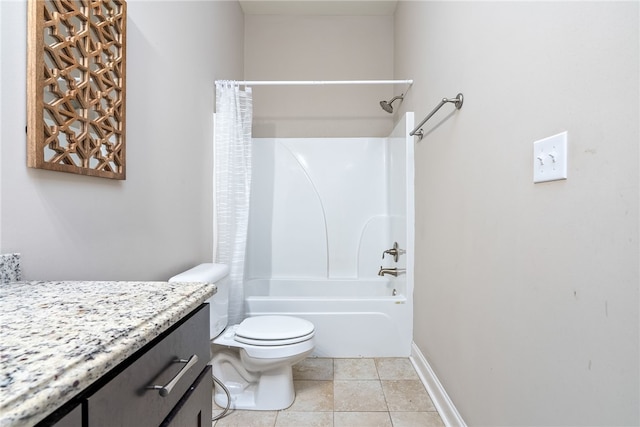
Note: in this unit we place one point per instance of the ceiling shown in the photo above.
(319, 7)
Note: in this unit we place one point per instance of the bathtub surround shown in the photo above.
(338, 225)
(323, 212)
(353, 200)
(69, 334)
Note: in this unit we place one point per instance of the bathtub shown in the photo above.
(353, 318)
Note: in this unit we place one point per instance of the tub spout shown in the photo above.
(392, 271)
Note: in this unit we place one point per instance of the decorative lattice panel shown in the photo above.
(76, 86)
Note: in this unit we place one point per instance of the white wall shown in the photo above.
(527, 293)
(158, 221)
(293, 47)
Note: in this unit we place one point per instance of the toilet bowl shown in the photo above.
(252, 359)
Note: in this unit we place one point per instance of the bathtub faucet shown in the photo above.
(392, 271)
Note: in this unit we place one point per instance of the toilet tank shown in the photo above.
(219, 302)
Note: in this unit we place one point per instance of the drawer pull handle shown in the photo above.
(166, 389)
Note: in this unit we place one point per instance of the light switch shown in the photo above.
(550, 158)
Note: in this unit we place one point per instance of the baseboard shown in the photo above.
(447, 410)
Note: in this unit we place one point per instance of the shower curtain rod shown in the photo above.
(317, 82)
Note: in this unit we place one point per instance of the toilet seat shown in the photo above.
(274, 330)
(269, 337)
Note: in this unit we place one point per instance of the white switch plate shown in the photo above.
(550, 158)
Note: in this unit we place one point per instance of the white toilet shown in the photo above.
(254, 358)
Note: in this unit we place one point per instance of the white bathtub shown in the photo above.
(353, 318)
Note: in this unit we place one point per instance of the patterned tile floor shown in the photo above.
(380, 392)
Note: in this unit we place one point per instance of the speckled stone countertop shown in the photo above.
(57, 338)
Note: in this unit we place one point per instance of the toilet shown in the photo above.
(252, 359)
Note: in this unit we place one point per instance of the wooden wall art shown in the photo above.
(76, 86)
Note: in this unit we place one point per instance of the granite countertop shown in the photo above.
(57, 338)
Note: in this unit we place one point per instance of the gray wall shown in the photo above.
(158, 221)
(526, 295)
(293, 47)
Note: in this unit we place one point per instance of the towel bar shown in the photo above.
(457, 102)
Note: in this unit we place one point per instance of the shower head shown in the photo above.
(386, 105)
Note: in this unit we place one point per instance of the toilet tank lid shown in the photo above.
(208, 273)
(274, 328)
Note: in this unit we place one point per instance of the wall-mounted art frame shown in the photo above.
(76, 86)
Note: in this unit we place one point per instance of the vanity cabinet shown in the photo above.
(156, 385)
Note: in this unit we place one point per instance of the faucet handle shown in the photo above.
(395, 252)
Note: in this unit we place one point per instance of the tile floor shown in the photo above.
(384, 392)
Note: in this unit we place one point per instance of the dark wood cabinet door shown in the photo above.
(194, 409)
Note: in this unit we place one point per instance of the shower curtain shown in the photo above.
(232, 183)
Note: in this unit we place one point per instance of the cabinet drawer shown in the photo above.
(126, 400)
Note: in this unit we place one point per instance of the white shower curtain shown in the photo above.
(232, 184)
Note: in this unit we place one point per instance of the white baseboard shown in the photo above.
(445, 407)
